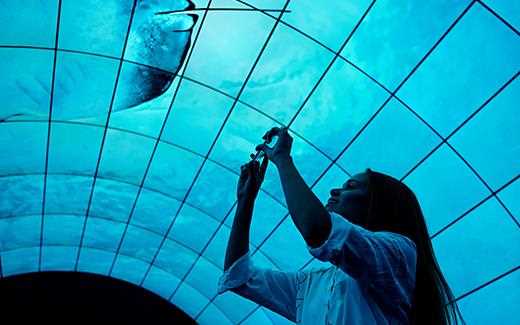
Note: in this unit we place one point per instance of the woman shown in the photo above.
(371, 230)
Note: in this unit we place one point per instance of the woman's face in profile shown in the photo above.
(350, 201)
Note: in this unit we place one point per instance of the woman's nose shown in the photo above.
(334, 192)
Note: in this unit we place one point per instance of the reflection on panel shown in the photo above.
(23, 18)
(445, 74)
(392, 143)
(23, 148)
(287, 247)
(19, 261)
(172, 170)
(112, 200)
(234, 306)
(21, 195)
(102, 233)
(189, 299)
(500, 118)
(494, 304)
(76, 190)
(397, 34)
(193, 228)
(456, 188)
(125, 156)
(26, 82)
(174, 258)
(330, 24)
(487, 236)
(510, 196)
(310, 162)
(508, 10)
(74, 148)
(287, 71)
(62, 229)
(225, 50)
(340, 106)
(266, 215)
(58, 258)
(129, 269)
(213, 315)
(198, 111)
(147, 207)
(161, 282)
(214, 192)
(204, 277)
(140, 243)
(216, 250)
(78, 77)
(97, 26)
(95, 260)
(20, 232)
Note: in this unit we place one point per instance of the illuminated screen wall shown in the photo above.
(122, 133)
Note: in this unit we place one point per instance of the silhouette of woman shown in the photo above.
(371, 230)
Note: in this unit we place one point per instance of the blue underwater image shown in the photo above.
(124, 125)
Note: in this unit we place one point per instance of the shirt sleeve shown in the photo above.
(272, 289)
(382, 261)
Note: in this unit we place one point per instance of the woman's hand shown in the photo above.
(251, 178)
(282, 148)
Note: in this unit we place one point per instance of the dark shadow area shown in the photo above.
(74, 298)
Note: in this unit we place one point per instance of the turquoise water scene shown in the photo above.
(124, 123)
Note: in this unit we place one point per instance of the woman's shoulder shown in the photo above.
(401, 241)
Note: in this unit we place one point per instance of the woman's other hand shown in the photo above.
(281, 149)
(251, 177)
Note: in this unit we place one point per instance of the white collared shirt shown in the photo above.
(371, 280)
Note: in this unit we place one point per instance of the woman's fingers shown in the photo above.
(271, 133)
(263, 167)
(263, 147)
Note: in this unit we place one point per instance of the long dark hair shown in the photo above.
(392, 206)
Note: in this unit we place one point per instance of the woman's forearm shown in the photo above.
(308, 213)
(238, 243)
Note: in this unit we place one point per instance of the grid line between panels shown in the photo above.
(154, 150)
(502, 19)
(366, 124)
(475, 206)
(482, 286)
(106, 129)
(49, 125)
